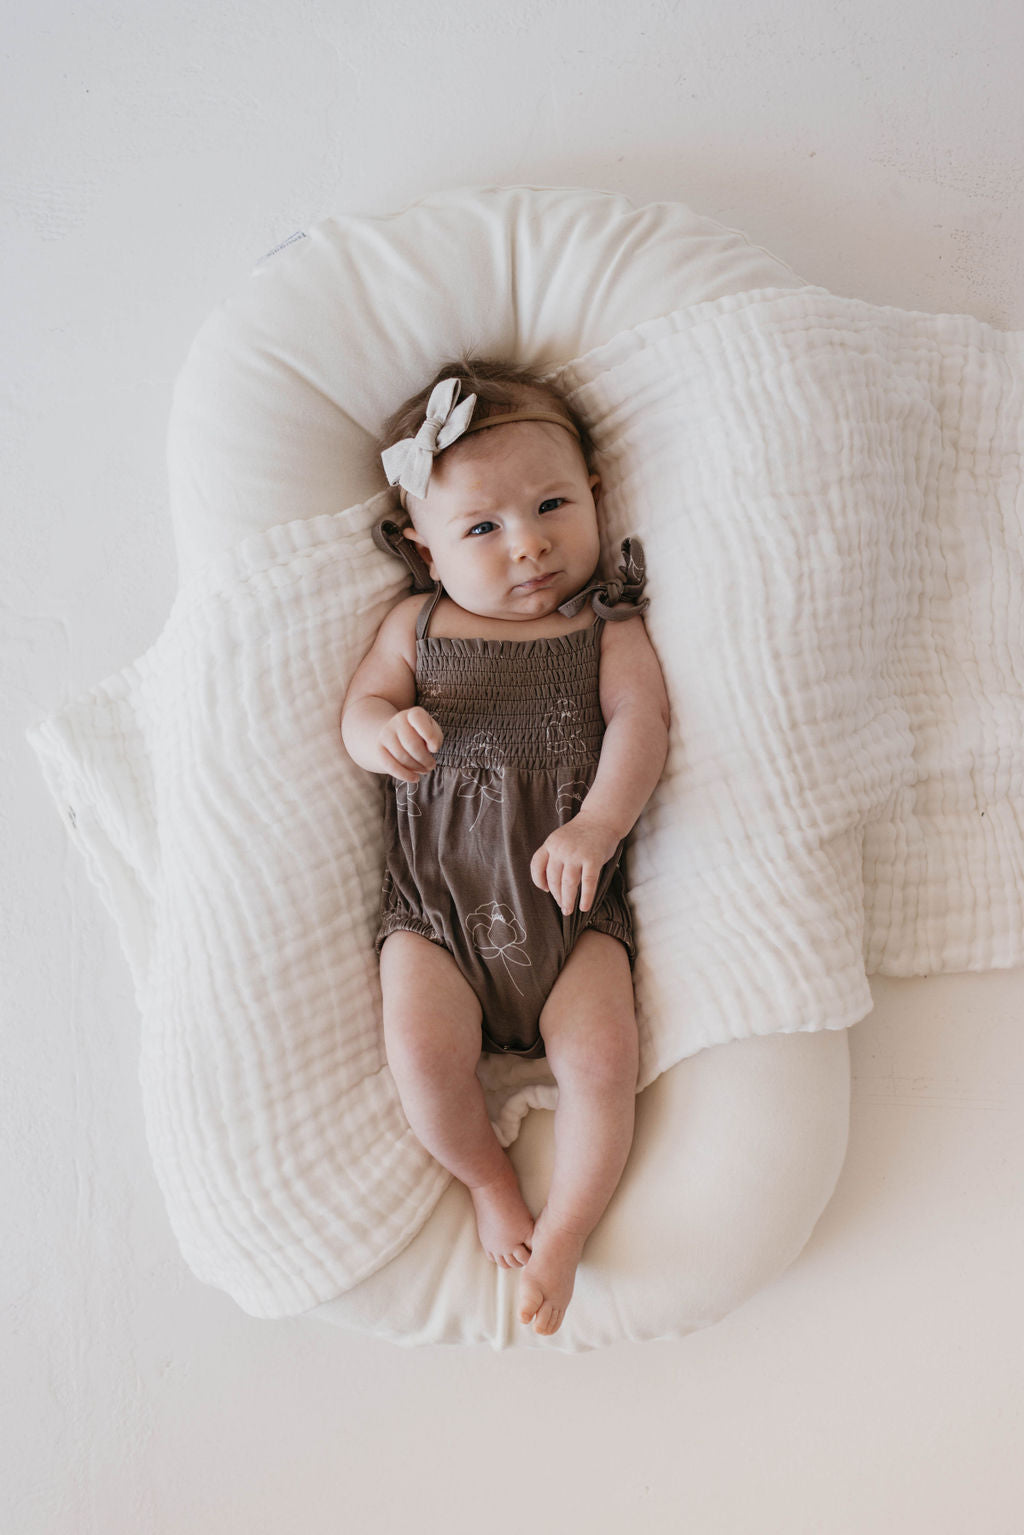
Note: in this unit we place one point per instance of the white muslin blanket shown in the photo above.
(831, 500)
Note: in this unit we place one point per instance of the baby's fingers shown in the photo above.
(426, 727)
(412, 744)
(552, 878)
(400, 768)
(561, 880)
(568, 886)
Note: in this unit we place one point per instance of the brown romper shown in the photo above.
(522, 730)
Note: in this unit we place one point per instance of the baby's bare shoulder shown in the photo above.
(625, 638)
(405, 612)
(630, 669)
(388, 669)
(397, 633)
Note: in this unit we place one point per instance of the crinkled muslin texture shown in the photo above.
(830, 498)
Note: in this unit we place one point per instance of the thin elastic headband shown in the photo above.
(408, 463)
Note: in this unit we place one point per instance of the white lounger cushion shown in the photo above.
(776, 453)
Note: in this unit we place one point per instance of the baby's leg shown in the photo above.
(589, 1029)
(432, 1035)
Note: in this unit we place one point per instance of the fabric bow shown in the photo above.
(618, 598)
(408, 463)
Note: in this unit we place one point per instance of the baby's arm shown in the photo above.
(382, 727)
(636, 714)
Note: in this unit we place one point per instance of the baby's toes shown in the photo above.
(548, 1319)
(531, 1297)
(520, 1256)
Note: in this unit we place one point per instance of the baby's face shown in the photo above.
(509, 523)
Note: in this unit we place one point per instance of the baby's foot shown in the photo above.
(503, 1223)
(546, 1283)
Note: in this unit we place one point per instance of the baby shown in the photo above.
(522, 728)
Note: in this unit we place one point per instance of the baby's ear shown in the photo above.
(417, 538)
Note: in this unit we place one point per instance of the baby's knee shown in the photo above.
(602, 1057)
(430, 1049)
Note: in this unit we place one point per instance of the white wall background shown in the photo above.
(150, 152)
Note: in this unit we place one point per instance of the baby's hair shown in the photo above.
(498, 386)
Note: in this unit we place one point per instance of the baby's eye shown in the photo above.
(552, 505)
(480, 527)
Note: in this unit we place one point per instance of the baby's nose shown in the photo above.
(531, 543)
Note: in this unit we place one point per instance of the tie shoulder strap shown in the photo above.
(619, 598)
(426, 612)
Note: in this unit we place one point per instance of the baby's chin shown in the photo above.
(517, 604)
(540, 603)
(524, 612)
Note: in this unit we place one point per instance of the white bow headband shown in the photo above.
(408, 463)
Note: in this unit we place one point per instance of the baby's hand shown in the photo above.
(571, 859)
(409, 741)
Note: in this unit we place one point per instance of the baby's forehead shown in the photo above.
(540, 444)
(486, 466)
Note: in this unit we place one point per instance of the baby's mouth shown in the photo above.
(536, 583)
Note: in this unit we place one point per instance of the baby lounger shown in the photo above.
(744, 421)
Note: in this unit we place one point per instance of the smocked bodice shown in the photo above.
(524, 703)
